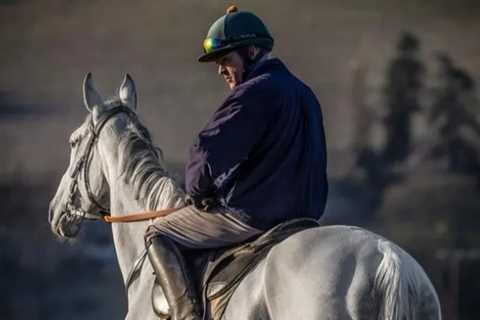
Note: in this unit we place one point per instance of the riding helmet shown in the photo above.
(234, 30)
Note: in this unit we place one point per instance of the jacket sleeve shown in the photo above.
(221, 147)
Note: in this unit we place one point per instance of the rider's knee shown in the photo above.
(150, 233)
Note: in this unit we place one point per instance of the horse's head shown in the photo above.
(83, 191)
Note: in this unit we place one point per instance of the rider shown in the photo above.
(259, 161)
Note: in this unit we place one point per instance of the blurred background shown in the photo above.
(397, 81)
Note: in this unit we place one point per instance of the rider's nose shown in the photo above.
(220, 69)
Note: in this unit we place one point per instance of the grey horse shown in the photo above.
(332, 272)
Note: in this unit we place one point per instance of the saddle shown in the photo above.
(219, 272)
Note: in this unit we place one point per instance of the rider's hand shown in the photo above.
(204, 204)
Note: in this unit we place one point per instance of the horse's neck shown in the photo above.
(128, 237)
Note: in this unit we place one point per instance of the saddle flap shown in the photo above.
(215, 288)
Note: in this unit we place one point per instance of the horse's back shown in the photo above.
(320, 273)
(329, 273)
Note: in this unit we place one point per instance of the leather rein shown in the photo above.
(83, 166)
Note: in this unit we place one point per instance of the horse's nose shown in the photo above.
(50, 211)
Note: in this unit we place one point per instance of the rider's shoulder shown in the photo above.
(262, 85)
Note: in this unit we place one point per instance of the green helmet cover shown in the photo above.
(234, 30)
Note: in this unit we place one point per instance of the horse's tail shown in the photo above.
(403, 288)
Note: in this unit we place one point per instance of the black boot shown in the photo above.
(173, 276)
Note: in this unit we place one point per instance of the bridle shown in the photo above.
(83, 166)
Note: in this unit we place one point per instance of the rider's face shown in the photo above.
(232, 68)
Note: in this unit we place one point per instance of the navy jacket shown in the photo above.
(262, 155)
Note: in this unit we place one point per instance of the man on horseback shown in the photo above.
(259, 161)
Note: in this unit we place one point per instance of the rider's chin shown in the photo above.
(231, 83)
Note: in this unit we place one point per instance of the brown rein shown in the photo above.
(139, 216)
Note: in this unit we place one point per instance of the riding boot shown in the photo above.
(172, 274)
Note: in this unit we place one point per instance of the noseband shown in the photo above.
(83, 166)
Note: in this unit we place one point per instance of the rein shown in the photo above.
(139, 216)
(84, 164)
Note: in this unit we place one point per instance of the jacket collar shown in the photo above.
(265, 65)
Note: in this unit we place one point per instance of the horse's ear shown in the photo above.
(128, 93)
(91, 98)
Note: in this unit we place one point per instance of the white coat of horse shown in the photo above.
(334, 272)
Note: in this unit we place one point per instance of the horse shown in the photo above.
(326, 272)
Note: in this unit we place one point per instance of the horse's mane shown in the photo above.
(143, 167)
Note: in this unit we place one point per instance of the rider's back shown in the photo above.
(283, 174)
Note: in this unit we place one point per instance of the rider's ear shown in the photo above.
(128, 93)
(91, 98)
(252, 52)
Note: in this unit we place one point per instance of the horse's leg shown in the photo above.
(139, 295)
